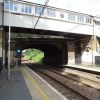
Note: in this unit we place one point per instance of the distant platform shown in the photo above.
(85, 67)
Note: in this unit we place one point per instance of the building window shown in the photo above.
(50, 13)
(30, 9)
(22, 8)
(6, 5)
(89, 20)
(38, 10)
(80, 18)
(15, 7)
(71, 16)
(26, 9)
(11, 6)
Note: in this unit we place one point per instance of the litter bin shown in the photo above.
(97, 60)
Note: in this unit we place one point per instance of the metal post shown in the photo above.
(92, 43)
(3, 53)
(9, 47)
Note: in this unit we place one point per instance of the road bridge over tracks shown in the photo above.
(65, 36)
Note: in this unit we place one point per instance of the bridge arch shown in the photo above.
(54, 54)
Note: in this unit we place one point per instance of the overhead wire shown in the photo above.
(45, 5)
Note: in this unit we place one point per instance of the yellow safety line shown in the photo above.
(35, 84)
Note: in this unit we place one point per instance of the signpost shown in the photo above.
(18, 55)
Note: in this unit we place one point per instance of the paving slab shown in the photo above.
(15, 88)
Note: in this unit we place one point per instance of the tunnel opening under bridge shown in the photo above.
(52, 54)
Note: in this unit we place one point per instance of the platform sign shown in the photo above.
(18, 52)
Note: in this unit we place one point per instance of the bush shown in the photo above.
(34, 55)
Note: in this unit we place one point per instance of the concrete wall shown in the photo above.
(29, 21)
(71, 53)
(96, 30)
(1, 19)
(1, 1)
(90, 48)
(94, 45)
(60, 21)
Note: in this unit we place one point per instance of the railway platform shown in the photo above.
(25, 84)
(85, 67)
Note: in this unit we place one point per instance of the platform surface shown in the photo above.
(87, 67)
(26, 85)
(15, 88)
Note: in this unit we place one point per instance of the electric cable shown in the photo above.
(47, 1)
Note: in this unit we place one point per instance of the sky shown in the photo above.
(91, 7)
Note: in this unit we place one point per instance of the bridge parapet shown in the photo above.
(20, 7)
(25, 15)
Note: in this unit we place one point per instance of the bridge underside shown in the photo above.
(70, 36)
(53, 49)
(58, 47)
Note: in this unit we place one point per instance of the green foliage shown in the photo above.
(34, 54)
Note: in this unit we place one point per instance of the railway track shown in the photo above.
(85, 90)
(87, 78)
(63, 89)
(74, 84)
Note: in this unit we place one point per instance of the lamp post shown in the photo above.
(9, 71)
